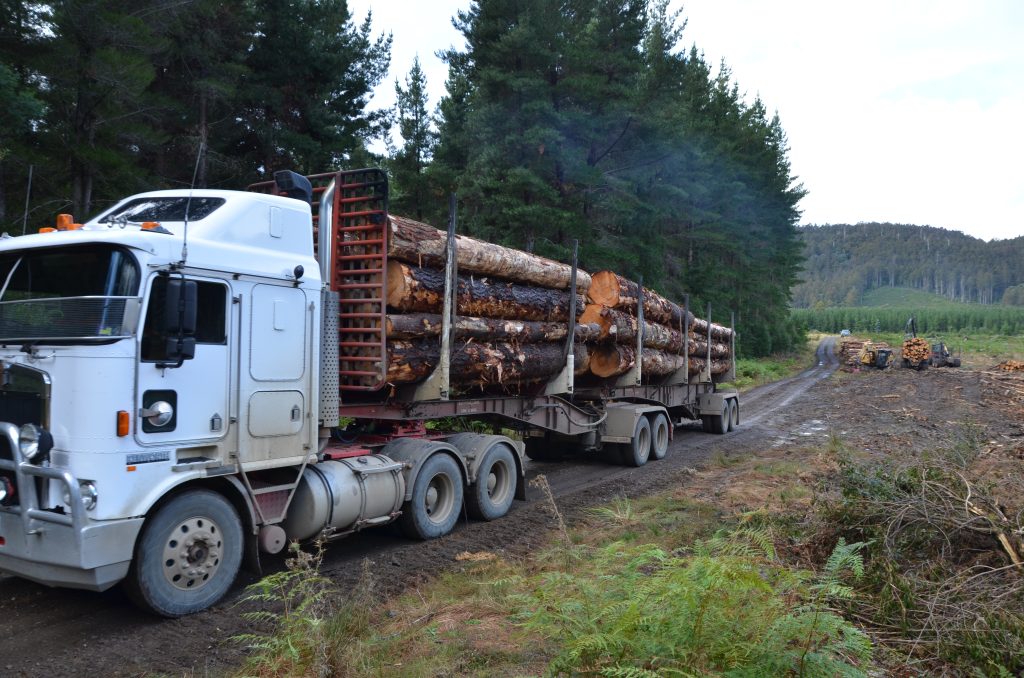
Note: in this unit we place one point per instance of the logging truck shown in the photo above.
(194, 378)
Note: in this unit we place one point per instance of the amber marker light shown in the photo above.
(47, 229)
(150, 225)
(129, 469)
(64, 222)
(123, 424)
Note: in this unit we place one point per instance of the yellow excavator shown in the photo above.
(874, 356)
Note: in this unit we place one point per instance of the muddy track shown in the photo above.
(57, 632)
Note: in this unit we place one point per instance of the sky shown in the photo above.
(907, 112)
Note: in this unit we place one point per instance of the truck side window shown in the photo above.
(211, 321)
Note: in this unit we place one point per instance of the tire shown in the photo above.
(491, 495)
(659, 436)
(735, 415)
(720, 422)
(732, 414)
(188, 555)
(436, 499)
(638, 450)
(705, 423)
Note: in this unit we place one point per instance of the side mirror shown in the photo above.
(180, 307)
(178, 324)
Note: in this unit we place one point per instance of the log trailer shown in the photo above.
(173, 371)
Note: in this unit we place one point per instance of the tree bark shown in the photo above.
(614, 291)
(621, 328)
(479, 364)
(717, 366)
(719, 332)
(420, 244)
(421, 290)
(612, 360)
(699, 349)
(421, 325)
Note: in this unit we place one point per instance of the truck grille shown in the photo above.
(21, 408)
(24, 395)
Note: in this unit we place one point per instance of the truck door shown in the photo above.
(275, 388)
(195, 394)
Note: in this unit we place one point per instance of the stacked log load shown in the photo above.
(512, 317)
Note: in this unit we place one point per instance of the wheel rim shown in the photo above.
(498, 482)
(192, 553)
(438, 501)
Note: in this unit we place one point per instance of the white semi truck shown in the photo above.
(171, 372)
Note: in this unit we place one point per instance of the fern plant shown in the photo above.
(726, 607)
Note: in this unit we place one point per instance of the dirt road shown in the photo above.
(57, 632)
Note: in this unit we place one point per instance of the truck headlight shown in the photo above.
(89, 495)
(35, 443)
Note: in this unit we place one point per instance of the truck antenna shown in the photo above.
(188, 203)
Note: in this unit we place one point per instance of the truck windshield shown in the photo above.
(85, 292)
(162, 209)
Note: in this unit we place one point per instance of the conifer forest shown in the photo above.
(592, 120)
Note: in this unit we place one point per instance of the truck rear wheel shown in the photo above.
(659, 436)
(188, 555)
(491, 495)
(436, 499)
(638, 450)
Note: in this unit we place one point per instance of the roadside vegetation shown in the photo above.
(799, 559)
(752, 372)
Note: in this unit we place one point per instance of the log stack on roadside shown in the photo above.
(513, 310)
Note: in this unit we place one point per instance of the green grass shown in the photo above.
(906, 297)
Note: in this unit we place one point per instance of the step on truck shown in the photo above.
(173, 373)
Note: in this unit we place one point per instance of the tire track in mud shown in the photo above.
(57, 632)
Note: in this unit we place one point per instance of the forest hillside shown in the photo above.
(847, 264)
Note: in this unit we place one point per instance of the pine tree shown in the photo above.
(411, 189)
(311, 73)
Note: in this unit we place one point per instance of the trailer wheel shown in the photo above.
(491, 495)
(436, 499)
(188, 555)
(719, 423)
(734, 415)
(638, 450)
(659, 436)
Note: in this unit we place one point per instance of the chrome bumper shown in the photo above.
(59, 549)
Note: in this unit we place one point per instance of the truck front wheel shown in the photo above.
(436, 499)
(188, 555)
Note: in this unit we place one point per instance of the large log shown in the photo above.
(718, 332)
(478, 364)
(421, 290)
(423, 245)
(612, 290)
(717, 366)
(421, 325)
(621, 327)
(612, 360)
(699, 349)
